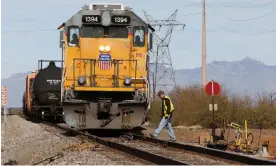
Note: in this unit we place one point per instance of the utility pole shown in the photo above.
(161, 65)
(203, 72)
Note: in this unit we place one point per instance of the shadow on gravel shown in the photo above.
(11, 114)
(11, 162)
(69, 134)
(138, 130)
(106, 132)
(114, 132)
(33, 120)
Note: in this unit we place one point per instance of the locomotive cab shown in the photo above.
(105, 77)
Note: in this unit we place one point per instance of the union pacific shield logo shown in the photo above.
(105, 61)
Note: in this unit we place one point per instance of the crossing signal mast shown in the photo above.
(161, 67)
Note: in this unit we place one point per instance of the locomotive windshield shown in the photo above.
(104, 32)
(92, 32)
(116, 32)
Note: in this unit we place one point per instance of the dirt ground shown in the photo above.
(192, 135)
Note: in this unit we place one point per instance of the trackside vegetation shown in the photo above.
(192, 108)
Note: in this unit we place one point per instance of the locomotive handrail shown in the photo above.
(147, 82)
(90, 59)
(63, 53)
(63, 78)
(66, 72)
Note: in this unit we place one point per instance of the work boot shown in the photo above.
(172, 140)
(151, 135)
(146, 124)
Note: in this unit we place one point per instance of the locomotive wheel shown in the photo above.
(27, 113)
(37, 115)
(32, 114)
(49, 118)
(24, 111)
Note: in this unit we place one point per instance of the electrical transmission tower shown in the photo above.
(161, 68)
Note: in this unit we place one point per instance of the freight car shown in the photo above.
(42, 94)
(105, 74)
(27, 97)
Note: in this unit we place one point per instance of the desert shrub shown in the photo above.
(192, 108)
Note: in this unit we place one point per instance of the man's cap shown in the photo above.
(160, 93)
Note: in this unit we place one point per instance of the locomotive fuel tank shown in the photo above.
(47, 85)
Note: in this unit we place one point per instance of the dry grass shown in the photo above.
(192, 108)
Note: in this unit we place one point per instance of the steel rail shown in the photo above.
(208, 151)
(154, 158)
(160, 160)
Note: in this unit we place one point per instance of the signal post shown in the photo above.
(213, 89)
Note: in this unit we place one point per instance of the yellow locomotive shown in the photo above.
(106, 67)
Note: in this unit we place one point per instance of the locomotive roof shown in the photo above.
(97, 8)
(104, 6)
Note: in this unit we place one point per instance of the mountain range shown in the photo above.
(247, 76)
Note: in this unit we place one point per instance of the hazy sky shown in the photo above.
(235, 29)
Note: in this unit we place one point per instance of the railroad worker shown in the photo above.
(75, 39)
(138, 41)
(167, 109)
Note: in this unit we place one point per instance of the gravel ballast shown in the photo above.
(31, 143)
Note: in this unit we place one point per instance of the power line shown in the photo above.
(226, 30)
(249, 19)
(195, 4)
(192, 14)
(258, 5)
(246, 34)
(231, 5)
(29, 30)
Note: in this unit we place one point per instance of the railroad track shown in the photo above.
(230, 157)
(163, 152)
(144, 155)
(168, 153)
(186, 157)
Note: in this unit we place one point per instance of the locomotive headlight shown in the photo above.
(101, 48)
(127, 81)
(107, 48)
(104, 48)
(82, 80)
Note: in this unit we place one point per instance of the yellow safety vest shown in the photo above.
(165, 107)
